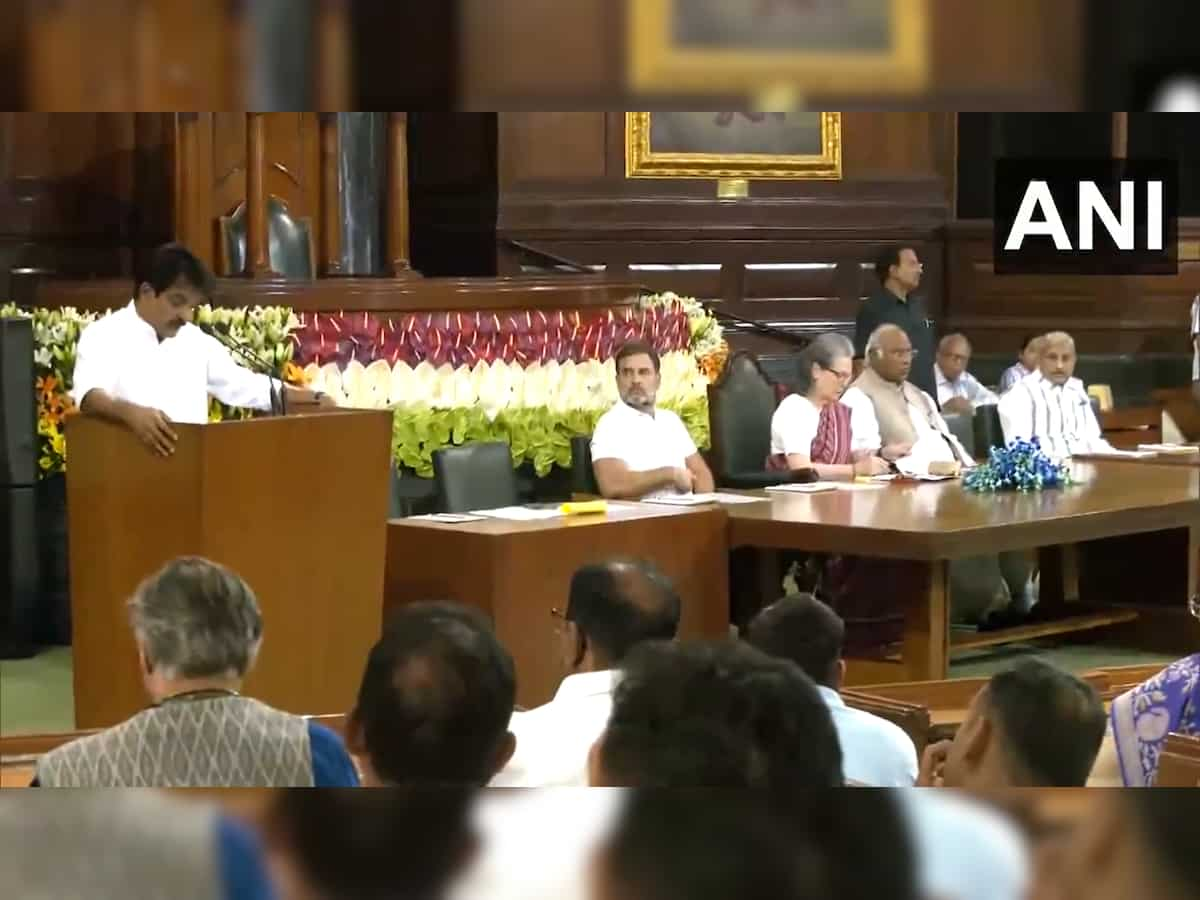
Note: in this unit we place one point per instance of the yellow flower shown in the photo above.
(58, 443)
(45, 427)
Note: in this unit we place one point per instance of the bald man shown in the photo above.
(1052, 405)
(958, 390)
(612, 607)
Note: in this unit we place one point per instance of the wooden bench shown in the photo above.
(1179, 763)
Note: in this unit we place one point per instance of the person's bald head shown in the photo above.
(953, 355)
(1058, 357)
(616, 605)
(890, 353)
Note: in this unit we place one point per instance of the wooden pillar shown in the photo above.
(1120, 135)
(397, 208)
(331, 220)
(258, 264)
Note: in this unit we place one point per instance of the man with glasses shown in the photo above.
(612, 607)
(899, 271)
(958, 391)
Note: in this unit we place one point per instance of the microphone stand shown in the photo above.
(255, 363)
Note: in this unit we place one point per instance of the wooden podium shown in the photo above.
(296, 505)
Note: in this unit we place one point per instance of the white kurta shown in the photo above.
(1059, 416)
(642, 441)
(122, 355)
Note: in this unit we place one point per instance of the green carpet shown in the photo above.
(37, 696)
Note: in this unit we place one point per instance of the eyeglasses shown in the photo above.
(843, 377)
(910, 353)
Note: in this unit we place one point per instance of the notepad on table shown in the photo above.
(811, 487)
(1180, 449)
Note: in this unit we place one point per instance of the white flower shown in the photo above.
(41, 357)
(402, 387)
(376, 384)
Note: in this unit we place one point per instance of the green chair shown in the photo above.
(475, 476)
(740, 406)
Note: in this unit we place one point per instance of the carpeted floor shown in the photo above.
(36, 695)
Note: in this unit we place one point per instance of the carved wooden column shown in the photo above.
(397, 208)
(331, 230)
(258, 264)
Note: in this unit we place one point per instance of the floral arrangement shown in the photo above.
(533, 379)
(1019, 466)
(706, 337)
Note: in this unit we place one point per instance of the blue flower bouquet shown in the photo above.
(1020, 466)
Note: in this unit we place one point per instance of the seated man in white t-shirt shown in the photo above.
(613, 607)
(800, 628)
(639, 450)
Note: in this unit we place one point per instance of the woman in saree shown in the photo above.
(812, 428)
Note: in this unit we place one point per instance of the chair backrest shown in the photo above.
(988, 432)
(1179, 762)
(912, 718)
(475, 476)
(583, 477)
(962, 426)
(740, 406)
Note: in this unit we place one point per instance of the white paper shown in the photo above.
(702, 499)
(812, 487)
(448, 518)
(1181, 449)
(860, 485)
(518, 513)
(1126, 454)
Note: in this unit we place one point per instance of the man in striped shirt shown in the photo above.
(1052, 405)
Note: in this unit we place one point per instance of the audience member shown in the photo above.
(612, 608)
(435, 700)
(198, 630)
(958, 391)
(695, 844)
(638, 449)
(62, 845)
(715, 714)
(1053, 406)
(899, 272)
(1027, 362)
(1134, 844)
(408, 843)
(1140, 720)
(810, 428)
(1033, 725)
(804, 630)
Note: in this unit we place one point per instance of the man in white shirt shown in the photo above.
(1053, 406)
(639, 450)
(612, 608)
(146, 365)
(958, 390)
(875, 752)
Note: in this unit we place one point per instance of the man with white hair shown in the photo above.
(198, 629)
(908, 428)
(1053, 406)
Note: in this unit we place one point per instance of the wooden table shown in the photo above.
(935, 522)
(518, 571)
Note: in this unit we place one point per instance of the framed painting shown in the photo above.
(733, 145)
(833, 47)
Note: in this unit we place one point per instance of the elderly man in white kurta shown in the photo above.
(1053, 406)
(638, 450)
(146, 365)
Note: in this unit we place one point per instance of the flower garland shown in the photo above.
(1019, 466)
(706, 337)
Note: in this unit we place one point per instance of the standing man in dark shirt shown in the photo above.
(899, 273)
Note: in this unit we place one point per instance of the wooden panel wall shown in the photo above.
(80, 193)
(211, 149)
(1105, 314)
(793, 254)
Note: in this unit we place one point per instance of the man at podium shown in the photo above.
(147, 365)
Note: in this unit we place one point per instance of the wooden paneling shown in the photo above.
(795, 254)
(1105, 314)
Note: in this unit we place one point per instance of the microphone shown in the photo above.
(255, 363)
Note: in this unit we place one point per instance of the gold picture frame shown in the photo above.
(657, 63)
(643, 161)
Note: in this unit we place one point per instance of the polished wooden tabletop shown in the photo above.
(941, 520)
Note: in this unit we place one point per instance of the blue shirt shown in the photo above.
(242, 874)
(332, 766)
